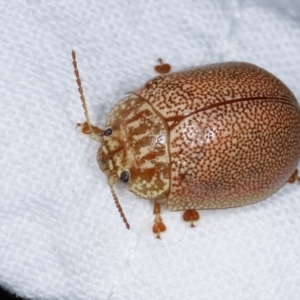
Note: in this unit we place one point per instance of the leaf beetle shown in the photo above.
(216, 136)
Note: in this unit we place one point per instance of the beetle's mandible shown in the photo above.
(217, 136)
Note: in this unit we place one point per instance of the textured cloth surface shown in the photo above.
(61, 236)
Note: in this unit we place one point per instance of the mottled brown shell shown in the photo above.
(216, 136)
(233, 133)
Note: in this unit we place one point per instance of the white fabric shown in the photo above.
(61, 236)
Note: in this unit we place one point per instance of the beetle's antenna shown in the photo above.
(119, 206)
(80, 90)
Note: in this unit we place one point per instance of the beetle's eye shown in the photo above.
(124, 176)
(107, 131)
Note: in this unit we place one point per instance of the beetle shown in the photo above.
(216, 136)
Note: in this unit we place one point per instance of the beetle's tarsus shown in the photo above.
(158, 225)
(162, 68)
(191, 215)
(85, 128)
(294, 177)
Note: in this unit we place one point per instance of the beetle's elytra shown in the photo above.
(217, 136)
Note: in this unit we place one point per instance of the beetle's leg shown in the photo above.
(88, 127)
(85, 128)
(294, 177)
(158, 226)
(191, 215)
(162, 68)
